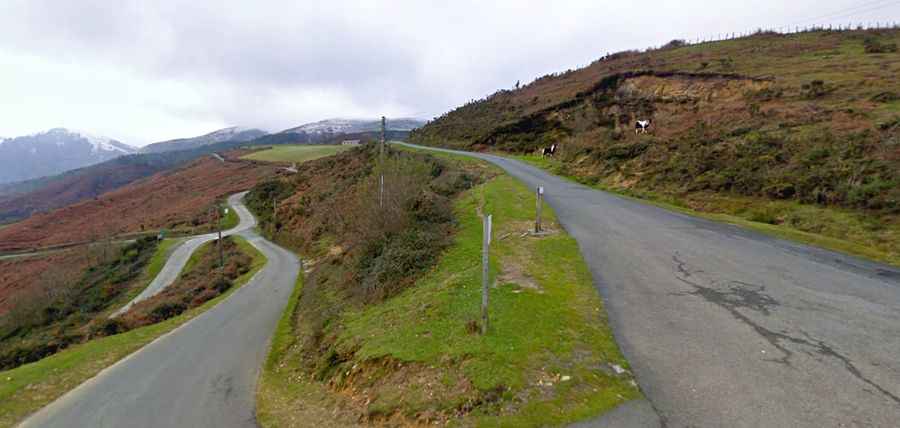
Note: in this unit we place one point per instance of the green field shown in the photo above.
(295, 153)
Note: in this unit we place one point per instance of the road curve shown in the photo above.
(726, 327)
(202, 374)
(179, 258)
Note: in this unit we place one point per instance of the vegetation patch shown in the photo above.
(805, 125)
(31, 386)
(58, 309)
(412, 355)
(295, 153)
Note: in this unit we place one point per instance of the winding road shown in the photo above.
(726, 327)
(202, 374)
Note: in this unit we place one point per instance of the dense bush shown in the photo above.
(56, 312)
(872, 44)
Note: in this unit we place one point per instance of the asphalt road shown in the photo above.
(203, 374)
(725, 327)
(183, 251)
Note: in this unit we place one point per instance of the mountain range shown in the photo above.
(44, 191)
(55, 151)
(350, 126)
(234, 133)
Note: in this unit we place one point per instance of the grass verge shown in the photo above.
(295, 153)
(549, 357)
(834, 229)
(26, 389)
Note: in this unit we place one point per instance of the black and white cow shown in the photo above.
(549, 151)
(641, 126)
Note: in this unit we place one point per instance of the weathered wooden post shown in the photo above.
(540, 205)
(219, 228)
(485, 272)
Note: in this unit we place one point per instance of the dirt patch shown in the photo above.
(515, 274)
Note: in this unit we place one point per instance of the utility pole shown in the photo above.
(221, 255)
(383, 123)
(381, 162)
(485, 272)
(540, 206)
(274, 214)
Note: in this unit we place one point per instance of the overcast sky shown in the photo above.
(144, 71)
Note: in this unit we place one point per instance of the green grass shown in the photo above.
(547, 321)
(230, 220)
(26, 389)
(272, 386)
(295, 153)
(835, 229)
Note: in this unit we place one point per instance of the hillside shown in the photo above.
(810, 119)
(234, 133)
(54, 151)
(383, 329)
(22, 199)
(177, 199)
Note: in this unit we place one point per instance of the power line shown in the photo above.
(866, 7)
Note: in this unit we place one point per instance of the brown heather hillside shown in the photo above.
(811, 118)
(178, 199)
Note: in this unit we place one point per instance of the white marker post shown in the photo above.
(485, 273)
(540, 206)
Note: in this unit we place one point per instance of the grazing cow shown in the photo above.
(549, 151)
(640, 127)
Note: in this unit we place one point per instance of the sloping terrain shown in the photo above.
(178, 199)
(76, 186)
(384, 330)
(21, 199)
(771, 128)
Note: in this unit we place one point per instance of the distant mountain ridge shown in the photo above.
(54, 151)
(350, 126)
(234, 133)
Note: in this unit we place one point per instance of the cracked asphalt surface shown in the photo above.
(202, 374)
(726, 327)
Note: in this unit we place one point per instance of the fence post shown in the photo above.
(485, 272)
(540, 205)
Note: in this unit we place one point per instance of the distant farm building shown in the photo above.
(350, 143)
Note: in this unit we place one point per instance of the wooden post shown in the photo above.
(485, 272)
(221, 255)
(540, 205)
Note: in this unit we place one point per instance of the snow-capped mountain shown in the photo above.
(349, 126)
(234, 133)
(55, 151)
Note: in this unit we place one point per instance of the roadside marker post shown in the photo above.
(540, 205)
(485, 273)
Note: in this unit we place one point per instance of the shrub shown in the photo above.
(166, 310)
(872, 45)
(674, 44)
(886, 97)
(814, 89)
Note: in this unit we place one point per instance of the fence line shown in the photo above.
(791, 29)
